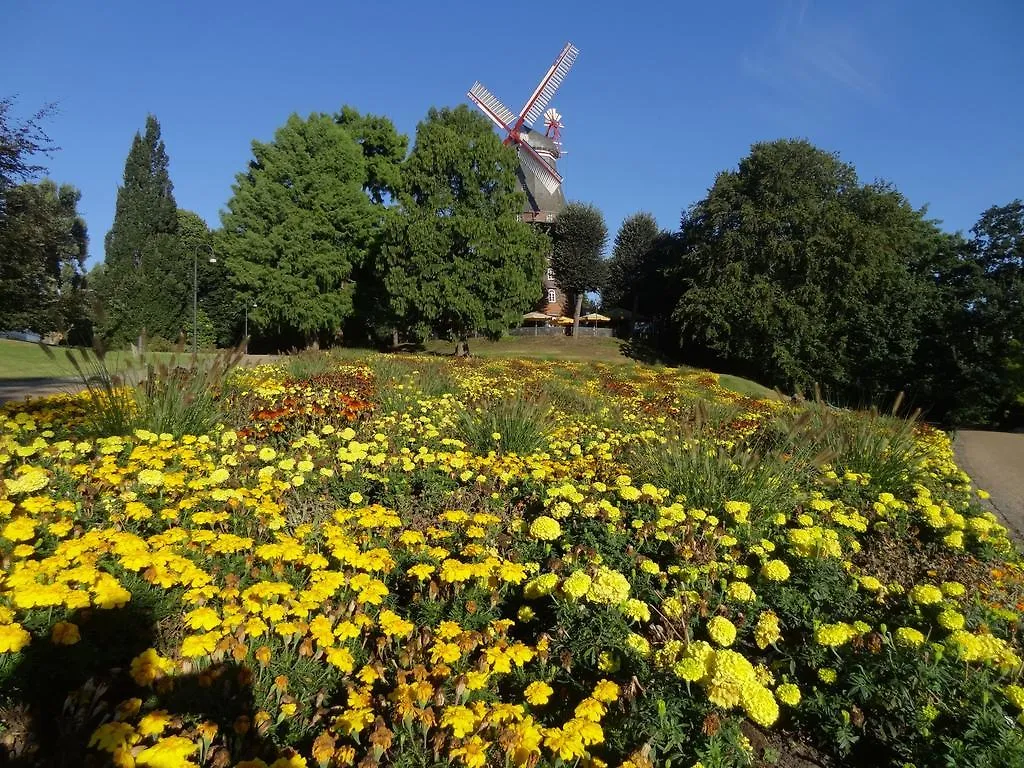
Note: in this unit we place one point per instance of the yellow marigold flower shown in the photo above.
(113, 736)
(953, 589)
(13, 638)
(926, 594)
(1015, 694)
(576, 585)
(473, 751)
(741, 592)
(638, 644)
(540, 586)
(526, 614)
(909, 637)
(461, 720)
(834, 635)
(151, 477)
(608, 587)
(636, 610)
(606, 691)
(394, 625)
(760, 705)
(788, 694)
(537, 693)
(767, 631)
(150, 666)
(775, 570)
(169, 752)
(590, 709)
(341, 658)
(722, 631)
(154, 723)
(566, 745)
(951, 620)
(827, 676)
(65, 633)
(870, 583)
(194, 646)
(267, 454)
(545, 528)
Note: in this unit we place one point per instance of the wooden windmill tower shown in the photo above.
(538, 154)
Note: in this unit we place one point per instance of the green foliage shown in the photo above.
(578, 241)
(631, 262)
(177, 396)
(384, 150)
(297, 225)
(20, 142)
(458, 259)
(146, 282)
(792, 270)
(218, 302)
(43, 241)
(308, 365)
(521, 425)
(975, 322)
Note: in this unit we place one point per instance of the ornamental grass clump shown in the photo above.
(513, 425)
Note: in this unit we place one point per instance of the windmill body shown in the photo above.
(538, 155)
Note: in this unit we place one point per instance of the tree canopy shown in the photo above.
(578, 242)
(632, 262)
(458, 259)
(43, 242)
(793, 271)
(21, 142)
(297, 226)
(146, 283)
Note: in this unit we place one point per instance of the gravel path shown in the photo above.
(19, 389)
(995, 462)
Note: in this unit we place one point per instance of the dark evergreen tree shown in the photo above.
(146, 283)
(458, 259)
(295, 229)
(578, 242)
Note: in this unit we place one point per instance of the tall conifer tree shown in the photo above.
(146, 283)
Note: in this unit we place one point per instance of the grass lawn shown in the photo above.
(25, 360)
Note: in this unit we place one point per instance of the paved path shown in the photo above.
(995, 462)
(19, 389)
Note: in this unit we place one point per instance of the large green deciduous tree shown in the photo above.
(43, 243)
(384, 150)
(458, 258)
(146, 283)
(970, 362)
(296, 228)
(794, 272)
(21, 143)
(579, 239)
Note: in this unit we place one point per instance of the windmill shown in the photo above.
(538, 152)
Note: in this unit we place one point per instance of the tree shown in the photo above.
(384, 150)
(631, 266)
(579, 238)
(44, 242)
(793, 272)
(218, 302)
(297, 227)
(20, 142)
(458, 260)
(146, 283)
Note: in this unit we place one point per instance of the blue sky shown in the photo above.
(663, 96)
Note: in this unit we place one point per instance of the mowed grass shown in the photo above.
(584, 348)
(26, 360)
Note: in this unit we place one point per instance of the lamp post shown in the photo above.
(195, 293)
(246, 334)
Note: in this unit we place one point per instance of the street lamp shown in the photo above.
(246, 334)
(195, 293)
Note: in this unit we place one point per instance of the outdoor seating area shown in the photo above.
(541, 324)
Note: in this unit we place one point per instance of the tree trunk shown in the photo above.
(460, 347)
(394, 338)
(576, 315)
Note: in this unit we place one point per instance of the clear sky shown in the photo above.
(926, 94)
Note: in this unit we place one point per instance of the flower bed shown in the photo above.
(399, 563)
